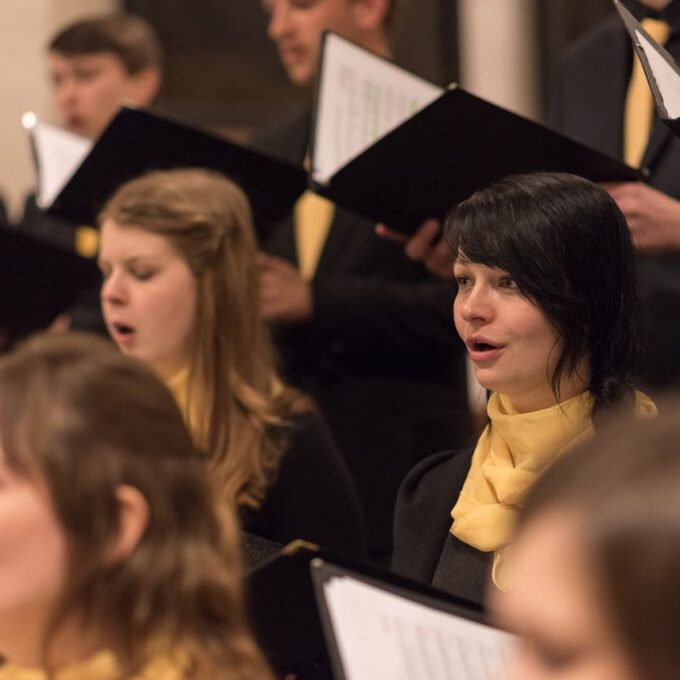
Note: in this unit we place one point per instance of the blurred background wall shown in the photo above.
(222, 71)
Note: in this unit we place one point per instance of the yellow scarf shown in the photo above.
(512, 451)
(178, 384)
(101, 666)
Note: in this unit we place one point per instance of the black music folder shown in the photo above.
(288, 621)
(397, 149)
(138, 140)
(38, 281)
(661, 70)
(380, 629)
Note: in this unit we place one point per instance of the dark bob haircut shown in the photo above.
(566, 244)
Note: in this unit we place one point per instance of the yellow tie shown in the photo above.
(313, 217)
(639, 111)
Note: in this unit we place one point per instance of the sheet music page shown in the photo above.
(361, 98)
(384, 636)
(667, 79)
(58, 153)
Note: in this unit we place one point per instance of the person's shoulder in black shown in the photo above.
(422, 516)
(313, 496)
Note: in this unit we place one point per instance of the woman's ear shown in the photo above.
(133, 512)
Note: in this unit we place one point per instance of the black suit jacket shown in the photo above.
(588, 103)
(380, 355)
(313, 496)
(424, 548)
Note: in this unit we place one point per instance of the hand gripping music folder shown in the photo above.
(38, 281)
(661, 70)
(138, 140)
(283, 612)
(439, 155)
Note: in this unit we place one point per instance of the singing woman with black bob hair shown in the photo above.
(546, 306)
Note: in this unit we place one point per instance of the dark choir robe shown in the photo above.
(587, 103)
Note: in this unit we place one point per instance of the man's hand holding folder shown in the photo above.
(653, 217)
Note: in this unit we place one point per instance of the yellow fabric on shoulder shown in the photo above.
(100, 666)
(514, 449)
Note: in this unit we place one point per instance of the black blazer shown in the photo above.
(380, 355)
(313, 496)
(424, 548)
(587, 103)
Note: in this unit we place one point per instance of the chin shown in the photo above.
(488, 382)
(301, 76)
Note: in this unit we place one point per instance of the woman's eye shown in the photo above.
(143, 274)
(508, 282)
(462, 280)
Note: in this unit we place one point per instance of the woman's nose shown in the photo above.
(113, 290)
(476, 304)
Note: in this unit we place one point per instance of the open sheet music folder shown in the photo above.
(57, 153)
(661, 70)
(380, 630)
(138, 140)
(393, 147)
(287, 619)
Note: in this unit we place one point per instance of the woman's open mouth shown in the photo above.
(483, 350)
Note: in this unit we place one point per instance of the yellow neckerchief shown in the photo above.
(178, 384)
(512, 451)
(100, 666)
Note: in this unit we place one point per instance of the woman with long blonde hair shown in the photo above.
(180, 293)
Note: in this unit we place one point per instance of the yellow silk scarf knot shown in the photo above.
(514, 449)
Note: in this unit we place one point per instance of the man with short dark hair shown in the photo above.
(365, 331)
(97, 65)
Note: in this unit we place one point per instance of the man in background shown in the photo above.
(365, 331)
(596, 100)
(95, 66)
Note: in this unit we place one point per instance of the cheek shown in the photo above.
(176, 313)
(32, 562)
(533, 329)
(457, 319)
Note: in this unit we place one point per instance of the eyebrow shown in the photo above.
(134, 259)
